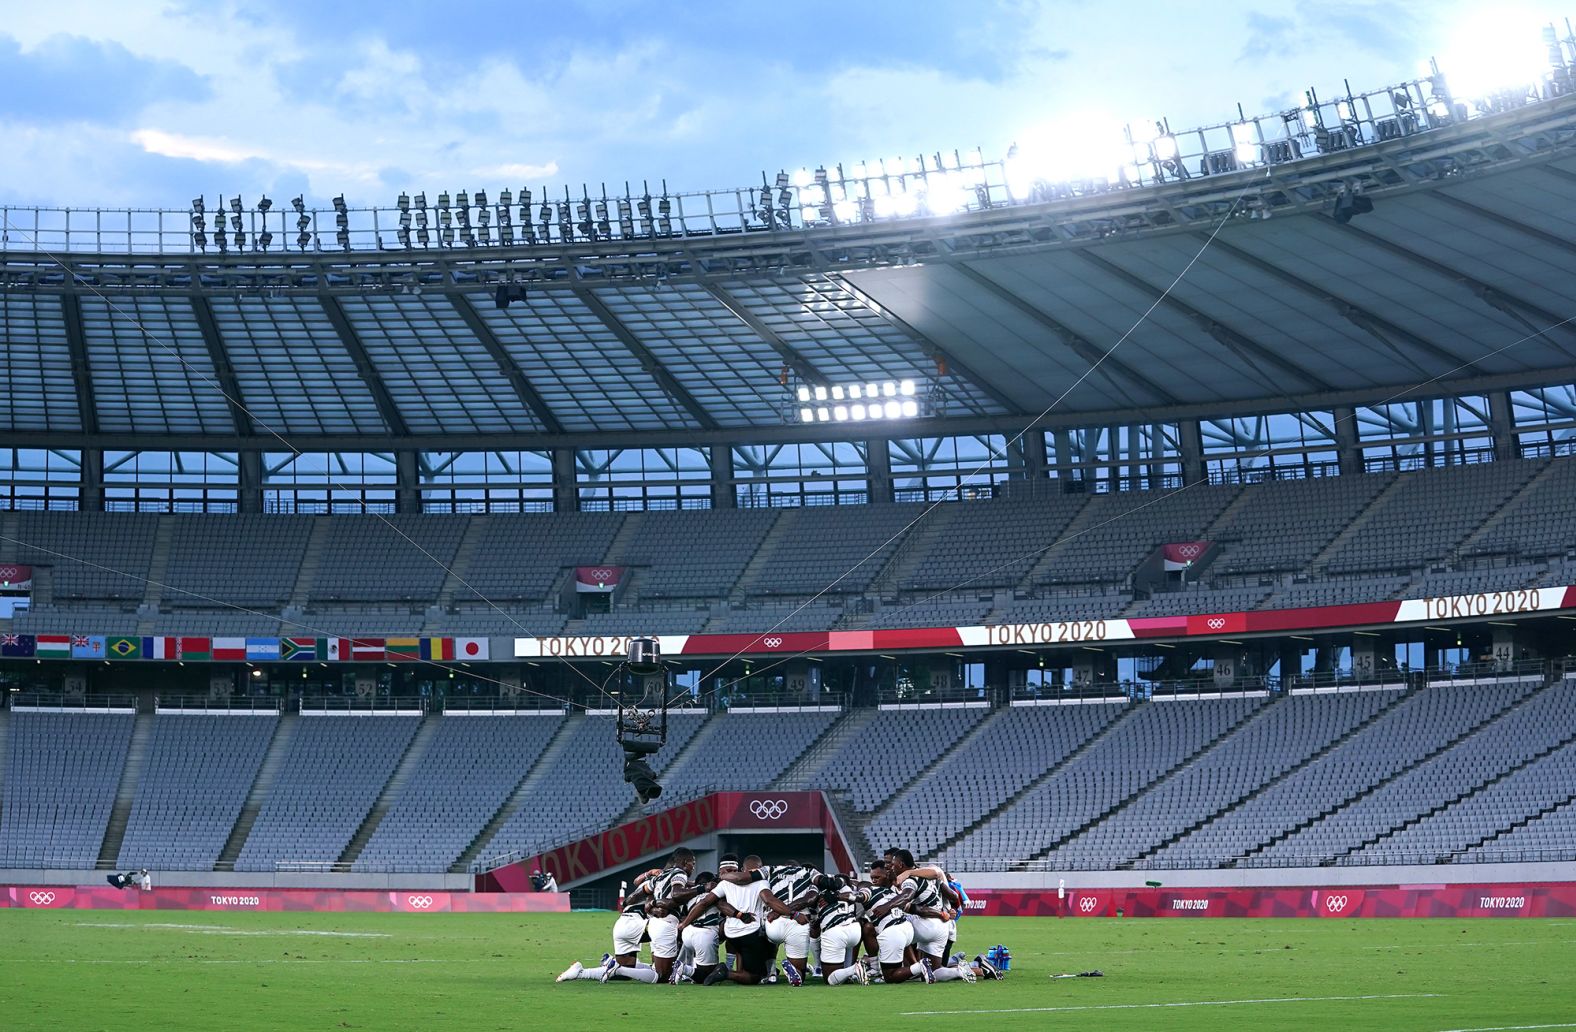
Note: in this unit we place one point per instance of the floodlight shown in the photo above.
(302, 239)
(845, 211)
(264, 239)
(804, 394)
(1165, 147)
(220, 239)
(343, 236)
(904, 203)
(1493, 55)
(298, 202)
(339, 203)
(263, 204)
(840, 413)
(820, 393)
(892, 409)
(884, 205)
(823, 414)
(889, 389)
(837, 392)
(235, 204)
(200, 239)
(856, 412)
(872, 390)
(906, 388)
(806, 415)
(856, 390)
(910, 408)
(803, 178)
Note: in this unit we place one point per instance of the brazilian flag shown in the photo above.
(123, 648)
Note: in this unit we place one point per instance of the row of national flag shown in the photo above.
(239, 650)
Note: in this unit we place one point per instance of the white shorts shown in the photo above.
(664, 933)
(837, 946)
(893, 940)
(702, 942)
(785, 930)
(627, 931)
(930, 935)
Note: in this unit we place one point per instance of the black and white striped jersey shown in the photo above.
(710, 919)
(789, 882)
(834, 911)
(664, 885)
(877, 897)
(927, 894)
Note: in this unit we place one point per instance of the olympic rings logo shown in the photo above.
(772, 643)
(42, 899)
(419, 902)
(1189, 551)
(1335, 904)
(1087, 904)
(769, 809)
(602, 575)
(1215, 623)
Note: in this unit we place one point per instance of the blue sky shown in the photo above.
(146, 104)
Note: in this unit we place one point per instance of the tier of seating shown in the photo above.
(1029, 555)
(1435, 773)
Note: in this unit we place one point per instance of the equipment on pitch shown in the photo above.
(1000, 957)
(642, 714)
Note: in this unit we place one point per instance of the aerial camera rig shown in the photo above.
(642, 696)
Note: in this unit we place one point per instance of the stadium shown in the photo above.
(1193, 538)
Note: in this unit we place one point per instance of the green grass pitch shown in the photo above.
(87, 970)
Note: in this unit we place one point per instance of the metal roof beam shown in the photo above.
(1367, 320)
(648, 359)
(1085, 350)
(936, 351)
(1542, 236)
(798, 433)
(223, 371)
(81, 372)
(529, 396)
(369, 373)
(795, 361)
(1515, 307)
(1244, 347)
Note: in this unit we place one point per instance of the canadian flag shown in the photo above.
(470, 648)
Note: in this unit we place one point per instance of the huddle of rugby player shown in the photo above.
(904, 917)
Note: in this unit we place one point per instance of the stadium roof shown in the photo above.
(1458, 276)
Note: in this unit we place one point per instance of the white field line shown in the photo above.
(1159, 1006)
(144, 962)
(1475, 945)
(1508, 1028)
(229, 930)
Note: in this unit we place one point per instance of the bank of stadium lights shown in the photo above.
(235, 232)
(857, 402)
(514, 219)
(866, 191)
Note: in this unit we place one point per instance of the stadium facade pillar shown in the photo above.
(1091, 668)
(1346, 451)
(407, 483)
(1192, 432)
(879, 463)
(564, 480)
(722, 493)
(92, 467)
(1365, 657)
(1031, 455)
(250, 498)
(1508, 648)
(1502, 424)
(1062, 460)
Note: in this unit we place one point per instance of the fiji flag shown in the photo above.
(18, 645)
(87, 646)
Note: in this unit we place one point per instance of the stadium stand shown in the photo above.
(468, 770)
(103, 542)
(745, 750)
(389, 558)
(518, 558)
(62, 772)
(333, 772)
(199, 770)
(243, 559)
(889, 751)
(849, 544)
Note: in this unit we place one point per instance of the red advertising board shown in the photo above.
(412, 901)
(1540, 899)
(660, 832)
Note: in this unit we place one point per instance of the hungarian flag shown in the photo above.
(229, 650)
(18, 645)
(199, 650)
(123, 648)
(53, 646)
(402, 648)
(161, 648)
(471, 648)
(437, 648)
(363, 650)
(300, 650)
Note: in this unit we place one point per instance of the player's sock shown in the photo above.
(590, 974)
(639, 973)
(842, 976)
(946, 974)
(918, 970)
